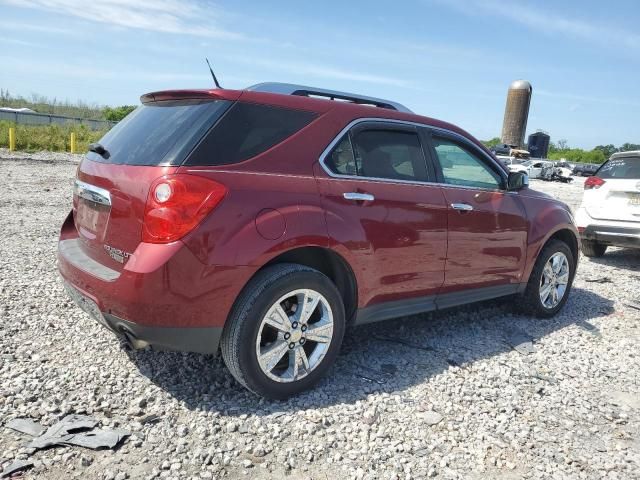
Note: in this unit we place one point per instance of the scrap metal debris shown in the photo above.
(15, 467)
(78, 430)
(25, 425)
(64, 428)
(97, 439)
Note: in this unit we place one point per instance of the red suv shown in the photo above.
(266, 221)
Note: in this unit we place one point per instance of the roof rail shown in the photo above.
(301, 90)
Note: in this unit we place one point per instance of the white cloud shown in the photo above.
(549, 21)
(80, 71)
(18, 26)
(168, 16)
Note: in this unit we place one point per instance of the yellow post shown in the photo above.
(12, 138)
(73, 142)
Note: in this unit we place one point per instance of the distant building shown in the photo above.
(516, 113)
(538, 144)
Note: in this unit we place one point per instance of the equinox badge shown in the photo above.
(118, 255)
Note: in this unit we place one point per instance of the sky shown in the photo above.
(448, 59)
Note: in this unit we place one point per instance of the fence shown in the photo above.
(32, 118)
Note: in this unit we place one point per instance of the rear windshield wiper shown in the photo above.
(99, 149)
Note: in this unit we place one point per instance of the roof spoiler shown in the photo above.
(168, 95)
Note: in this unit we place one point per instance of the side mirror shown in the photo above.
(517, 181)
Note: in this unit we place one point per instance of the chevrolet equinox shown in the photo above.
(263, 222)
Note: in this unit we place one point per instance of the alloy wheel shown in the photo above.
(294, 335)
(554, 280)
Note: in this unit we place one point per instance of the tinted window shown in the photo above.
(392, 154)
(247, 130)
(625, 167)
(341, 160)
(159, 133)
(461, 167)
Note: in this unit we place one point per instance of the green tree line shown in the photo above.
(561, 149)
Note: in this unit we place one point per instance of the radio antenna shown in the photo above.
(215, 80)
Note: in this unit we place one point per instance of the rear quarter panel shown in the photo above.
(272, 205)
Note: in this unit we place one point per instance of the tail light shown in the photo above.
(593, 182)
(176, 204)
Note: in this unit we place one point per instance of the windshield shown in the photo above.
(159, 133)
(623, 167)
(526, 163)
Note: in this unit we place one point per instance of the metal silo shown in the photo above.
(538, 144)
(516, 113)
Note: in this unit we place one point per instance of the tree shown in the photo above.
(492, 143)
(627, 147)
(607, 150)
(562, 144)
(118, 113)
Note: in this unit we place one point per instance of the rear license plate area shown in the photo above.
(634, 199)
(92, 218)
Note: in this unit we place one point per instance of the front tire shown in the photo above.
(284, 331)
(593, 249)
(550, 281)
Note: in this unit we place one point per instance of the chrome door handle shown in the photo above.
(359, 197)
(463, 207)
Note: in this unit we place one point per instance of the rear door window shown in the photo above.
(159, 133)
(394, 154)
(624, 167)
(247, 130)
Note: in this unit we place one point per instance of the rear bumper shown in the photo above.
(163, 296)
(616, 236)
(619, 234)
(198, 340)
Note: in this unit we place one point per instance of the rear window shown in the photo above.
(160, 133)
(623, 167)
(247, 130)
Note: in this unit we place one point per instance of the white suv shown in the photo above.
(610, 210)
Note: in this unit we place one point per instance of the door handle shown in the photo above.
(463, 207)
(359, 197)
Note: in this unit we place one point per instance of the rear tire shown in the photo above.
(264, 350)
(534, 300)
(593, 249)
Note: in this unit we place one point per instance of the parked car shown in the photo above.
(610, 209)
(585, 169)
(563, 164)
(532, 168)
(264, 222)
(502, 149)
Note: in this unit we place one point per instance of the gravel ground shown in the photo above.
(441, 395)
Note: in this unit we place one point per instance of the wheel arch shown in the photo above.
(566, 235)
(331, 264)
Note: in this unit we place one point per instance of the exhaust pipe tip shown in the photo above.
(134, 342)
